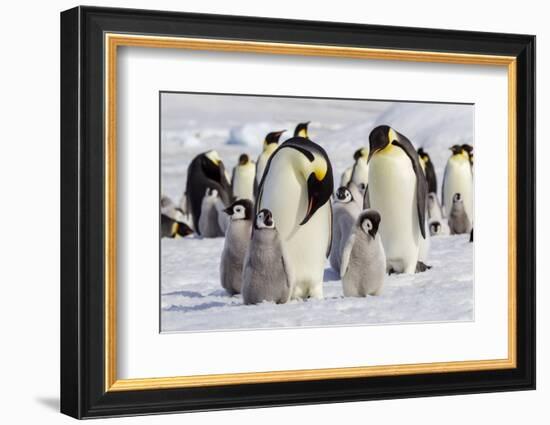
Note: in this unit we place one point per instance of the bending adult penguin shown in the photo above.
(458, 178)
(296, 187)
(360, 171)
(397, 190)
(206, 171)
(429, 170)
(242, 180)
(301, 130)
(270, 145)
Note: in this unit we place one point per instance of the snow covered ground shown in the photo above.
(192, 298)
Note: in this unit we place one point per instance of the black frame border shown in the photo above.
(82, 212)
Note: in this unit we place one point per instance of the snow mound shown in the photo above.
(252, 134)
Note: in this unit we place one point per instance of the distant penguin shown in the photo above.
(360, 171)
(206, 171)
(458, 178)
(237, 238)
(470, 151)
(458, 218)
(434, 207)
(170, 228)
(271, 142)
(301, 130)
(297, 188)
(358, 193)
(429, 170)
(345, 212)
(208, 225)
(398, 190)
(346, 176)
(242, 180)
(363, 259)
(267, 275)
(438, 227)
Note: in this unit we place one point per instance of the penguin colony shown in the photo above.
(282, 217)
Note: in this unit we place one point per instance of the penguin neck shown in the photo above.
(270, 148)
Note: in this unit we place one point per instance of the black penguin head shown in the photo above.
(468, 148)
(273, 137)
(241, 209)
(301, 130)
(423, 155)
(344, 195)
(212, 165)
(312, 163)
(360, 153)
(369, 220)
(380, 138)
(243, 159)
(457, 198)
(264, 220)
(435, 228)
(457, 149)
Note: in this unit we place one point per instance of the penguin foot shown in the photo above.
(421, 267)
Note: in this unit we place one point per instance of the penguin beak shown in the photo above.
(228, 211)
(319, 193)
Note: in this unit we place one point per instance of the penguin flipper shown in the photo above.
(346, 254)
(330, 229)
(421, 183)
(366, 199)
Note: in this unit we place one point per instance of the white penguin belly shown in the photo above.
(243, 182)
(458, 179)
(285, 195)
(392, 192)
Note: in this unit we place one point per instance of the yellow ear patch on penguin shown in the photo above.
(175, 228)
(303, 133)
(214, 157)
(320, 168)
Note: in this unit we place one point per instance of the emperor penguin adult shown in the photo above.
(242, 179)
(271, 143)
(345, 212)
(429, 170)
(360, 171)
(458, 178)
(363, 259)
(397, 190)
(296, 187)
(237, 238)
(206, 171)
(301, 130)
(267, 272)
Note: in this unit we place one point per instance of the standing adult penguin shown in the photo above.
(301, 130)
(205, 171)
(429, 170)
(267, 272)
(237, 238)
(363, 259)
(271, 142)
(345, 212)
(360, 171)
(296, 187)
(398, 189)
(242, 180)
(458, 178)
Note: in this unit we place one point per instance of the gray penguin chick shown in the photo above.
(266, 273)
(237, 238)
(344, 213)
(358, 193)
(363, 260)
(208, 220)
(459, 222)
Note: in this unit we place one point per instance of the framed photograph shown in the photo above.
(261, 212)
